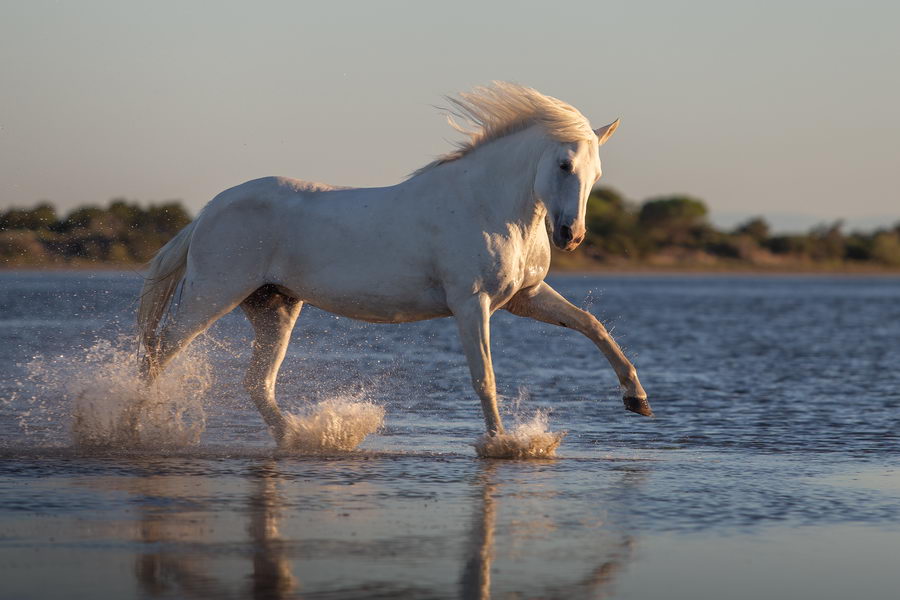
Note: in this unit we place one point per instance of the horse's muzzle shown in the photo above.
(568, 238)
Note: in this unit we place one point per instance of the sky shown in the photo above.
(786, 109)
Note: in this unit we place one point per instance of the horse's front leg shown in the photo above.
(473, 320)
(543, 303)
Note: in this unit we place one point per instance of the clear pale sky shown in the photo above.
(786, 109)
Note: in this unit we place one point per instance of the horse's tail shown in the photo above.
(164, 274)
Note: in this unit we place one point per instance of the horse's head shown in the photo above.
(565, 175)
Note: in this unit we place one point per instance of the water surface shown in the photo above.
(771, 469)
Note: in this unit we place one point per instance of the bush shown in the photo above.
(21, 247)
(886, 248)
(42, 216)
(756, 229)
(122, 232)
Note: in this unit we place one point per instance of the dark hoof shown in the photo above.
(638, 405)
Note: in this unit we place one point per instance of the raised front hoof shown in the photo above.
(638, 405)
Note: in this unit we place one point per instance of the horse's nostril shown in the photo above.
(566, 232)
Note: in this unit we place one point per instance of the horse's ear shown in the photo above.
(604, 133)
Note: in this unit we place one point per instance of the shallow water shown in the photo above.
(771, 469)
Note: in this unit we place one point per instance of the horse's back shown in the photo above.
(347, 250)
(261, 202)
(241, 225)
(257, 193)
(297, 186)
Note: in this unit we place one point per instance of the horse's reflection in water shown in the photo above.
(193, 548)
(272, 577)
(476, 576)
(167, 570)
(192, 574)
(475, 583)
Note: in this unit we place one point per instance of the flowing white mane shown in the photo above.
(503, 108)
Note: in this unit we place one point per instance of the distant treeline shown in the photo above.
(671, 231)
(674, 230)
(122, 233)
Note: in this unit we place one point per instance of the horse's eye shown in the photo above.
(566, 166)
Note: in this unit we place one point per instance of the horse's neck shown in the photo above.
(497, 179)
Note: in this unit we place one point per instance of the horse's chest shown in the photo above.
(519, 266)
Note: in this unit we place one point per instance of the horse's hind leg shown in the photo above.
(272, 315)
(202, 303)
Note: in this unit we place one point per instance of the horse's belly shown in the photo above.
(370, 276)
(382, 309)
(374, 299)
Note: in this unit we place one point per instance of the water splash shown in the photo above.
(99, 397)
(526, 439)
(334, 424)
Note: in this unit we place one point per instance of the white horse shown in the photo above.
(464, 236)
